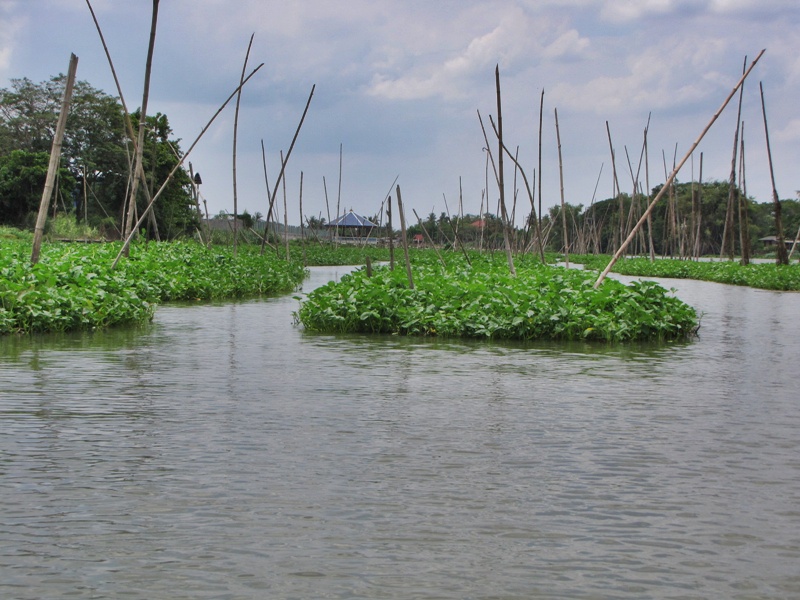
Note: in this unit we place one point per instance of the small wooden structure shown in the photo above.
(771, 241)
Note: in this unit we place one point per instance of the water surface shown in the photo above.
(223, 452)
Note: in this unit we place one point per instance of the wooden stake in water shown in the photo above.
(563, 207)
(782, 258)
(139, 157)
(391, 232)
(428, 237)
(235, 134)
(404, 238)
(500, 182)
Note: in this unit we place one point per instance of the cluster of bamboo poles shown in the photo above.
(683, 233)
(682, 236)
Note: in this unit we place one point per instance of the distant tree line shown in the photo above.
(94, 177)
(690, 218)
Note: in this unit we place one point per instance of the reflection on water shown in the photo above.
(221, 452)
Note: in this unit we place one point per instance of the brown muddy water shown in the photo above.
(221, 452)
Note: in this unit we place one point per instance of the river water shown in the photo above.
(222, 452)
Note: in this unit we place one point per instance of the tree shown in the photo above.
(96, 155)
(175, 211)
(22, 178)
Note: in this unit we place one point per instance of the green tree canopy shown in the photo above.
(96, 155)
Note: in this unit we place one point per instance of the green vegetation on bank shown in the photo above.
(485, 301)
(762, 276)
(73, 287)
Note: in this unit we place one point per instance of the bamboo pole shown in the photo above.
(530, 189)
(539, 176)
(782, 258)
(404, 237)
(501, 182)
(327, 204)
(288, 154)
(177, 166)
(428, 237)
(794, 243)
(391, 233)
(617, 188)
(671, 178)
(269, 204)
(698, 242)
(744, 219)
(139, 154)
(728, 234)
(196, 198)
(128, 126)
(235, 137)
(55, 160)
(302, 228)
(563, 206)
(285, 215)
(456, 237)
(650, 245)
(339, 195)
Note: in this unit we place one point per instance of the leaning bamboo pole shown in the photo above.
(129, 128)
(698, 242)
(339, 195)
(539, 213)
(55, 160)
(728, 234)
(404, 237)
(671, 178)
(139, 156)
(391, 232)
(744, 219)
(500, 180)
(174, 170)
(196, 198)
(428, 237)
(563, 207)
(288, 154)
(528, 187)
(302, 227)
(235, 138)
(650, 245)
(781, 256)
(285, 215)
(617, 188)
(794, 243)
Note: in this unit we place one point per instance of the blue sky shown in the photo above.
(399, 84)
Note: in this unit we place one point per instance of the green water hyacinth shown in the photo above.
(765, 276)
(542, 302)
(72, 287)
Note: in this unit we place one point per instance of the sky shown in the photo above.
(399, 85)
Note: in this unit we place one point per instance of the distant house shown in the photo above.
(771, 241)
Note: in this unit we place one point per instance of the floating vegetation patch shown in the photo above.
(762, 276)
(485, 301)
(72, 287)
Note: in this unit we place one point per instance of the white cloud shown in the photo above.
(512, 40)
(788, 133)
(671, 74)
(9, 28)
(631, 10)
